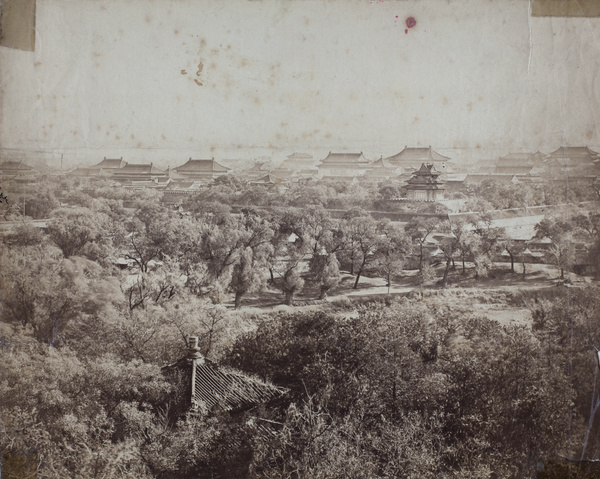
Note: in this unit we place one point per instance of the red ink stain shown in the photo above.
(406, 30)
(410, 22)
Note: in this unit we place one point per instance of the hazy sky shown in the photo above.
(169, 79)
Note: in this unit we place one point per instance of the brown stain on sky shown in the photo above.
(198, 73)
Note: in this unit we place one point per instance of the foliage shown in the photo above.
(393, 392)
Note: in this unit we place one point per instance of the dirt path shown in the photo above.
(475, 296)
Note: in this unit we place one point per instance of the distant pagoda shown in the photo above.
(425, 185)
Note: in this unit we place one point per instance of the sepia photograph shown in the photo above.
(299, 239)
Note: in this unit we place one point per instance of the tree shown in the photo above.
(484, 242)
(391, 250)
(364, 234)
(154, 234)
(596, 187)
(559, 230)
(49, 296)
(449, 246)
(515, 250)
(41, 205)
(247, 276)
(460, 230)
(419, 229)
(74, 229)
(291, 281)
(25, 234)
(327, 274)
(153, 287)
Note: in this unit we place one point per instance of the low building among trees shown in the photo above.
(425, 185)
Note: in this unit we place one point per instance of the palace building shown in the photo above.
(201, 169)
(343, 165)
(409, 159)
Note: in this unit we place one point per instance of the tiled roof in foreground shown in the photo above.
(230, 390)
(211, 387)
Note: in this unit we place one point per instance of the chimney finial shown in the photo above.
(193, 348)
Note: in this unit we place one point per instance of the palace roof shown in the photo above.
(345, 159)
(417, 155)
(111, 163)
(269, 179)
(520, 157)
(141, 169)
(300, 156)
(574, 152)
(11, 166)
(197, 166)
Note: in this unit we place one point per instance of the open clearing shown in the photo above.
(492, 297)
